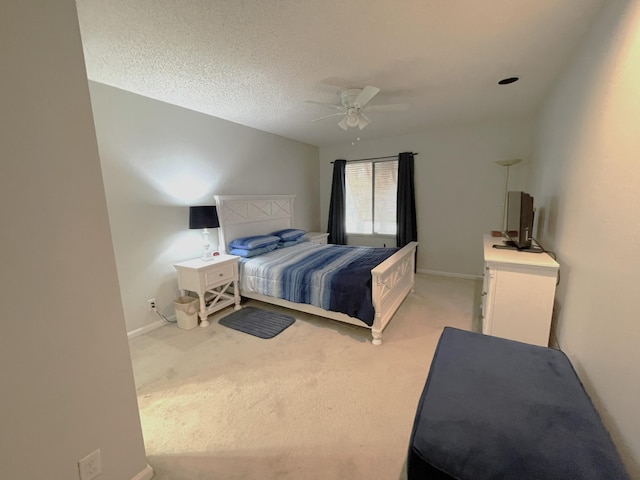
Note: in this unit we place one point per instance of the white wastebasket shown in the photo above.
(186, 312)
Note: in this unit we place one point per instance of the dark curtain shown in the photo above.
(336, 227)
(406, 206)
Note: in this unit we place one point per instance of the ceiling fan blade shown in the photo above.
(343, 124)
(395, 107)
(329, 105)
(363, 121)
(366, 95)
(327, 116)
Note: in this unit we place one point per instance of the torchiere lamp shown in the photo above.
(505, 163)
(204, 218)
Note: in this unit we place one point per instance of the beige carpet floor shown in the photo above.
(318, 401)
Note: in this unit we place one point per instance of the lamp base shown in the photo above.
(207, 256)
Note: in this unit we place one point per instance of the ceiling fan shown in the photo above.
(354, 104)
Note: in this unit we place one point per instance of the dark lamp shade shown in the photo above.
(203, 217)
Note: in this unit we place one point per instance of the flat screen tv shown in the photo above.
(519, 219)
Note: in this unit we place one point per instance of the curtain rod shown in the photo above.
(376, 158)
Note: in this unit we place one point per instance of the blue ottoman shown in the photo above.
(499, 409)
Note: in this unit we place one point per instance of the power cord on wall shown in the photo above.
(154, 309)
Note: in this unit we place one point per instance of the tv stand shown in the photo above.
(517, 293)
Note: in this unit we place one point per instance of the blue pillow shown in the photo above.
(290, 243)
(289, 234)
(256, 241)
(246, 252)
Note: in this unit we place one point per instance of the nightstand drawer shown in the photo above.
(218, 275)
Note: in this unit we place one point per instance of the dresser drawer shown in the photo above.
(221, 274)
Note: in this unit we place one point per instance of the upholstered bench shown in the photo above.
(499, 409)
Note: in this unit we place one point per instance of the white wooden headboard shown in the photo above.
(245, 215)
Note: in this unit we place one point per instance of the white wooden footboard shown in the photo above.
(392, 281)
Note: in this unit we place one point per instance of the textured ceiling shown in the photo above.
(255, 62)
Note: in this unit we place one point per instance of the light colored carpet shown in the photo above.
(318, 401)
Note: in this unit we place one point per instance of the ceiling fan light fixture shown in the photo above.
(354, 103)
(352, 117)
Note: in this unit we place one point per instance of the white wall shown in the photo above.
(459, 188)
(67, 384)
(586, 174)
(157, 159)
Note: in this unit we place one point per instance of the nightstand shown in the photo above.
(315, 237)
(212, 281)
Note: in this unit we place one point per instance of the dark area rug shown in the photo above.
(257, 322)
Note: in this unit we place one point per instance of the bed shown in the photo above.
(391, 280)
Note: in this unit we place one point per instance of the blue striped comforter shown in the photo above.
(332, 277)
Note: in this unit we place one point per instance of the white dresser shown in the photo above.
(517, 293)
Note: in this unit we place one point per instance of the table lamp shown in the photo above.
(204, 217)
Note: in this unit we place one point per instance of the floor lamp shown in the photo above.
(505, 163)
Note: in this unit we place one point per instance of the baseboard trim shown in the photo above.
(448, 274)
(145, 474)
(146, 329)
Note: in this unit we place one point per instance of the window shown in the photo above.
(371, 195)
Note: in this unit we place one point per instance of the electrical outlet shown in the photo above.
(151, 304)
(90, 466)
